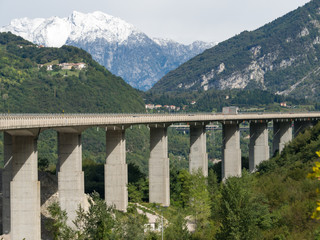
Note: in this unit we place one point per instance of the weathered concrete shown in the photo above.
(301, 125)
(21, 159)
(70, 174)
(282, 134)
(115, 169)
(159, 188)
(231, 152)
(198, 158)
(6, 179)
(258, 146)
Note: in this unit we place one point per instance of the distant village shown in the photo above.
(166, 108)
(64, 66)
(172, 108)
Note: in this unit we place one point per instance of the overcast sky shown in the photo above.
(181, 20)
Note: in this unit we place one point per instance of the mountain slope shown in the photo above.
(114, 43)
(281, 57)
(27, 86)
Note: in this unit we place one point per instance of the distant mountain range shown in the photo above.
(119, 46)
(282, 57)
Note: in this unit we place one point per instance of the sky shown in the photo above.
(184, 21)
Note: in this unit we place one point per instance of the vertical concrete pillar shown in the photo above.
(258, 146)
(6, 179)
(70, 174)
(22, 216)
(159, 188)
(282, 134)
(301, 124)
(198, 158)
(231, 152)
(115, 169)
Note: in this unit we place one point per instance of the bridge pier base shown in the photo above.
(159, 188)
(282, 134)
(21, 188)
(198, 158)
(231, 152)
(70, 174)
(258, 146)
(116, 170)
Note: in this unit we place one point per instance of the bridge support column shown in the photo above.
(159, 188)
(70, 174)
(301, 124)
(231, 152)
(6, 179)
(282, 134)
(115, 169)
(21, 188)
(198, 158)
(258, 146)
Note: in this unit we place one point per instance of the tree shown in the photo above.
(242, 213)
(98, 222)
(177, 228)
(316, 175)
(131, 225)
(56, 68)
(43, 164)
(58, 226)
(199, 199)
(199, 206)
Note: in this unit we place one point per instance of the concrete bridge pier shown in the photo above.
(258, 146)
(198, 158)
(159, 188)
(302, 124)
(282, 134)
(115, 169)
(231, 152)
(70, 174)
(21, 188)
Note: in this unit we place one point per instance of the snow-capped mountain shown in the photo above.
(119, 46)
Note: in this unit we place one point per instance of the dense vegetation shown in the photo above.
(26, 87)
(284, 52)
(276, 202)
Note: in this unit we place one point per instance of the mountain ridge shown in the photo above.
(119, 46)
(274, 57)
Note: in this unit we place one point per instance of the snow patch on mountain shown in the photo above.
(119, 46)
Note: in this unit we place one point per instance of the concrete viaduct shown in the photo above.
(21, 188)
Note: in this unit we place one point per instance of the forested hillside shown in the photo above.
(27, 86)
(281, 57)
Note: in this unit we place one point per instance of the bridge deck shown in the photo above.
(29, 121)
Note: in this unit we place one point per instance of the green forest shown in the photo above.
(275, 202)
(27, 87)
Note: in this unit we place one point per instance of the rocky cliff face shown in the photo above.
(114, 43)
(281, 57)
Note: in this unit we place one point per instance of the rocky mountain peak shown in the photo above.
(122, 48)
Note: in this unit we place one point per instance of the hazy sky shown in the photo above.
(182, 20)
